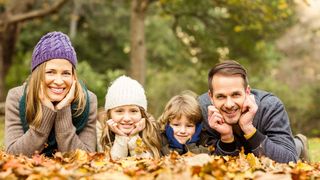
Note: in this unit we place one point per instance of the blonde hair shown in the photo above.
(149, 134)
(183, 104)
(33, 104)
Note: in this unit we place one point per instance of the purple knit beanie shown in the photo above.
(53, 45)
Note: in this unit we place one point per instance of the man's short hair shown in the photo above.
(228, 68)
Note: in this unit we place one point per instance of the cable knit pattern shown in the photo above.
(54, 45)
(125, 91)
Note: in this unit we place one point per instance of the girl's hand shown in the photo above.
(69, 97)
(44, 99)
(114, 128)
(139, 126)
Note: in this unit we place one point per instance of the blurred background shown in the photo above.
(169, 46)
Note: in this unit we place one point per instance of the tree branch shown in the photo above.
(33, 14)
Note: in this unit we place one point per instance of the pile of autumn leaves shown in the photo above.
(82, 165)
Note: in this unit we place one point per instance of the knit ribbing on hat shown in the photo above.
(53, 45)
(125, 91)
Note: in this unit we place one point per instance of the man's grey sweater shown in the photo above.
(273, 137)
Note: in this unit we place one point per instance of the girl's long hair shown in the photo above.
(34, 113)
(149, 134)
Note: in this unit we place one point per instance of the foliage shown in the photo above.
(19, 71)
(230, 29)
(79, 164)
(96, 82)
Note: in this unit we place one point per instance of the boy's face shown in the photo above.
(183, 129)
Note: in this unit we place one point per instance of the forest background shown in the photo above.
(169, 46)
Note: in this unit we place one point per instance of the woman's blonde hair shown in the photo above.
(149, 134)
(183, 104)
(33, 104)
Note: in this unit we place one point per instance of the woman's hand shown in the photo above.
(44, 99)
(69, 97)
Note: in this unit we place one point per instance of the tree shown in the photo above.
(137, 40)
(15, 12)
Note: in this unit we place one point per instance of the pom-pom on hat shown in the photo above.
(53, 45)
(125, 91)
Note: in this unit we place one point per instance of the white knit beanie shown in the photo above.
(125, 91)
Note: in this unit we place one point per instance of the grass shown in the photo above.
(314, 149)
(314, 143)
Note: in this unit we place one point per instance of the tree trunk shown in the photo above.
(77, 5)
(2, 96)
(137, 40)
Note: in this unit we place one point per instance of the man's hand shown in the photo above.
(69, 97)
(139, 126)
(249, 110)
(114, 127)
(217, 123)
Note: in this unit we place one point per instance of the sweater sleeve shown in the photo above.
(66, 136)
(138, 148)
(18, 142)
(119, 148)
(277, 143)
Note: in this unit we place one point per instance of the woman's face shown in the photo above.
(183, 129)
(58, 79)
(126, 117)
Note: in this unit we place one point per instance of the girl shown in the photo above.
(181, 125)
(52, 111)
(127, 129)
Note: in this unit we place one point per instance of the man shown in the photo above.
(236, 116)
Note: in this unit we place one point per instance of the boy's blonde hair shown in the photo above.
(149, 134)
(183, 104)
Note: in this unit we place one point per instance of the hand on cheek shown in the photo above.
(69, 97)
(44, 99)
(249, 110)
(114, 127)
(138, 127)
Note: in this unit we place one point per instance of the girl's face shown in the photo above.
(58, 79)
(126, 117)
(183, 129)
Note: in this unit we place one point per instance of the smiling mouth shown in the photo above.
(57, 90)
(126, 126)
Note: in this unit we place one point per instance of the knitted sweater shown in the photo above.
(18, 142)
(273, 137)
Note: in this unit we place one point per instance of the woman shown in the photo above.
(52, 111)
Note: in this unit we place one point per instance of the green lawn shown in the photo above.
(314, 143)
(314, 149)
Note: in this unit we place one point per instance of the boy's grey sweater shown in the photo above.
(273, 137)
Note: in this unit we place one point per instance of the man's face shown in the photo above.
(228, 96)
